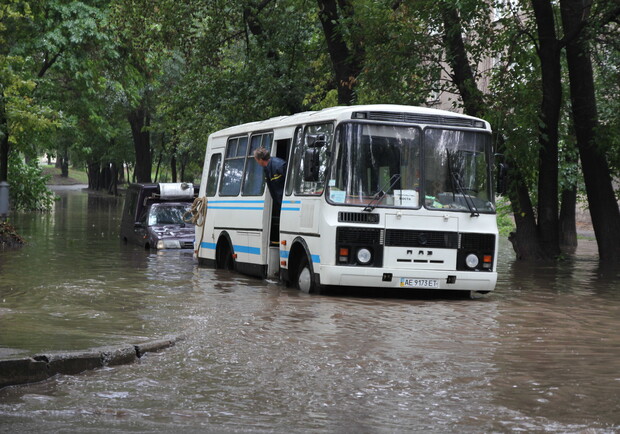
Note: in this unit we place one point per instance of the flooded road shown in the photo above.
(541, 354)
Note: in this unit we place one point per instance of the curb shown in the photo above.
(43, 366)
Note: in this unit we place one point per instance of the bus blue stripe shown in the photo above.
(238, 249)
(316, 259)
(237, 207)
(247, 249)
(236, 201)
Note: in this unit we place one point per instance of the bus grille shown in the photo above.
(478, 242)
(435, 239)
(358, 236)
(357, 217)
(424, 119)
(187, 244)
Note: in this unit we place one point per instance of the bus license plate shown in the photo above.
(418, 283)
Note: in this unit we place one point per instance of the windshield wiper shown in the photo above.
(456, 182)
(379, 195)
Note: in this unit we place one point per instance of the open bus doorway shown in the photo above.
(281, 151)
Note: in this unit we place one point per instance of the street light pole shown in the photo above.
(4, 200)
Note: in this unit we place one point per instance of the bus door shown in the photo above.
(281, 151)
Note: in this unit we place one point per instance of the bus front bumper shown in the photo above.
(408, 279)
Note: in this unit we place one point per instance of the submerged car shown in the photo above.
(154, 215)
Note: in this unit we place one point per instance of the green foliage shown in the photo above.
(71, 70)
(505, 220)
(27, 189)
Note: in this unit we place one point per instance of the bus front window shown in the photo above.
(456, 171)
(376, 165)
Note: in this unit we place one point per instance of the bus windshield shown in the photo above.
(457, 170)
(382, 165)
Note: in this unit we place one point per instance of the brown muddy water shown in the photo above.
(541, 354)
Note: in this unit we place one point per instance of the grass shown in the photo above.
(75, 176)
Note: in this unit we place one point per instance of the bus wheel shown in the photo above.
(305, 282)
(224, 259)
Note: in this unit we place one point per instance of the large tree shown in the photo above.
(346, 56)
(601, 198)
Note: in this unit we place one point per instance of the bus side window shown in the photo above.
(214, 174)
(254, 181)
(293, 161)
(301, 145)
(233, 166)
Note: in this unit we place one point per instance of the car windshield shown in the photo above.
(167, 214)
(382, 165)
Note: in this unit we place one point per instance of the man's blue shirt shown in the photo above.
(275, 174)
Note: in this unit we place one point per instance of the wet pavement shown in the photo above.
(540, 354)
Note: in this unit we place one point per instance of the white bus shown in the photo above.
(376, 196)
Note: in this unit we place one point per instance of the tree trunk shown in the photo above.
(568, 210)
(525, 241)
(139, 120)
(161, 154)
(64, 167)
(113, 184)
(549, 55)
(601, 198)
(345, 62)
(93, 175)
(463, 76)
(173, 156)
(105, 176)
(568, 226)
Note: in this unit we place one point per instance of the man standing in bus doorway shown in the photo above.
(274, 169)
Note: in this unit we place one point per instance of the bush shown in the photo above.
(27, 189)
(9, 236)
(505, 221)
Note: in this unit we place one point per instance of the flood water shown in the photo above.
(540, 354)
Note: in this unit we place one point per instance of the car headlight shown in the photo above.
(364, 256)
(168, 244)
(472, 260)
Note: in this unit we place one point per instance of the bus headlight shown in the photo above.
(472, 260)
(364, 256)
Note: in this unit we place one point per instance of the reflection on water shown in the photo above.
(542, 353)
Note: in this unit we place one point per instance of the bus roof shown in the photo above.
(425, 115)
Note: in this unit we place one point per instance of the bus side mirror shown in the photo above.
(311, 165)
(316, 140)
(502, 174)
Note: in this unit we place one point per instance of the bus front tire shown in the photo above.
(305, 278)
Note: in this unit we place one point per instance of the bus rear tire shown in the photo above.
(224, 259)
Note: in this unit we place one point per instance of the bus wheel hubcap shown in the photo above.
(304, 280)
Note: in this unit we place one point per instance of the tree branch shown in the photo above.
(47, 64)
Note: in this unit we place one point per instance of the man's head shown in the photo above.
(261, 155)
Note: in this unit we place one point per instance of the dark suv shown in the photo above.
(153, 215)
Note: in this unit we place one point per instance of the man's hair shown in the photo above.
(262, 154)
